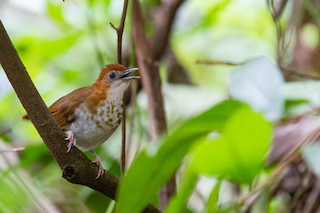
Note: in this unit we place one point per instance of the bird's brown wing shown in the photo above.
(63, 109)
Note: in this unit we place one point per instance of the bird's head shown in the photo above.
(115, 77)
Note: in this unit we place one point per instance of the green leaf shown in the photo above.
(94, 198)
(290, 103)
(150, 171)
(44, 48)
(111, 206)
(239, 153)
(55, 12)
(214, 197)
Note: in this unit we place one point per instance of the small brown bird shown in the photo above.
(90, 115)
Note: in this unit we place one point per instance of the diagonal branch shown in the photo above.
(76, 167)
(149, 72)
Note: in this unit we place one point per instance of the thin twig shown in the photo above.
(12, 150)
(119, 31)
(281, 8)
(299, 74)
(132, 112)
(287, 70)
(281, 47)
(123, 144)
(140, 133)
(209, 62)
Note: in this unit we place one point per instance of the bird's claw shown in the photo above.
(71, 139)
(98, 161)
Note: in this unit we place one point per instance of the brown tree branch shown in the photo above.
(149, 72)
(163, 19)
(119, 51)
(162, 26)
(76, 167)
(148, 53)
(151, 83)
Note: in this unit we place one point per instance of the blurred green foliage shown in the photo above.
(63, 45)
(237, 154)
(158, 167)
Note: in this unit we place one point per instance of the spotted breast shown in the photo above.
(91, 128)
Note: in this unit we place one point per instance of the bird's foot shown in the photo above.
(71, 139)
(98, 161)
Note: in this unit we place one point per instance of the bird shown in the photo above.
(90, 115)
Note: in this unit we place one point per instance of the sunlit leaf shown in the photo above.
(54, 11)
(111, 206)
(239, 153)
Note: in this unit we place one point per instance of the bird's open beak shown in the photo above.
(126, 76)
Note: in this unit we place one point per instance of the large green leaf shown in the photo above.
(150, 171)
(239, 153)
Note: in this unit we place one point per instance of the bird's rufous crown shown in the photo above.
(109, 68)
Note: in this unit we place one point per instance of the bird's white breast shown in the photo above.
(91, 128)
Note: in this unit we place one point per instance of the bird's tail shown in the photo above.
(25, 116)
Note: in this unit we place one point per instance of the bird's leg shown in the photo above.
(98, 161)
(71, 139)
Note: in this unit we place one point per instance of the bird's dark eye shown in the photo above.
(112, 75)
